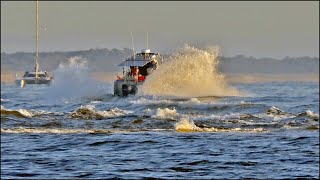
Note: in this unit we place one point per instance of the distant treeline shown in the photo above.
(98, 59)
(244, 64)
(107, 60)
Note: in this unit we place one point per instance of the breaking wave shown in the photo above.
(186, 125)
(56, 131)
(190, 72)
(89, 112)
(310, 114)
(276, 113)
(69, 131)
(22, 113)
(166, 113)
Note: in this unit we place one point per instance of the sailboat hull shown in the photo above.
(34, 81)
(25, 81)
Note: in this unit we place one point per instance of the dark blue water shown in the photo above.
(272, 132)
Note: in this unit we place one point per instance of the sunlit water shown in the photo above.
(271, 132)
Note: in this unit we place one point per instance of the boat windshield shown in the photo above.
(34, 75)
(138, 63)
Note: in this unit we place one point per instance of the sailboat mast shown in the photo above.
(37, 38)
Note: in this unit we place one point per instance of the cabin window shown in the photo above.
(41, 75)
(31, 75)
(34, 75)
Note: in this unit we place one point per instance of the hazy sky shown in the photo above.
(268, 29)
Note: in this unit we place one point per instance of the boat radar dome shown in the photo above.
(145, 51)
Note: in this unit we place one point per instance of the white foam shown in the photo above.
(224, 117)
(53, 131)
(114, 112)
(69, 131)
(25, 112)
(95, 102)
(186, 125)
(245, 102)
(148, 112)
(275, 113)
(312, 114)
(195, 101)
(145, 101)
(216, 116)
(166, 113)
(276, 117)
(42, 112)
(192, 103)
(32, 113)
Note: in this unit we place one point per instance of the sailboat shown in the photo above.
(36, 76)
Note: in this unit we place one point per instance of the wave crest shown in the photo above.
(166, 113)
(186, 125)
(89, 112)
(22, 113)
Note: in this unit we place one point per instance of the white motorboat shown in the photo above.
(138, 67)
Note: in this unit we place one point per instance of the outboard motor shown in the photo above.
(125, 90)
(134, 90)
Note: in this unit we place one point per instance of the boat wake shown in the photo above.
(190, 72)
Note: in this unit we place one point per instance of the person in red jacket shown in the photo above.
(141, 78)
(135, 71)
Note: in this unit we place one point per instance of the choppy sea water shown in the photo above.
(271, 132)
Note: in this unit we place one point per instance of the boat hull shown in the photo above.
(122, 88)
(33, 81)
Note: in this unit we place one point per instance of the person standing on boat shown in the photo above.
(135, 73)
(154, 63)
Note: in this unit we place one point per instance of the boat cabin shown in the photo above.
(33, 74)
(141, 64)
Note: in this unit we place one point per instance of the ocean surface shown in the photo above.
(271, 132)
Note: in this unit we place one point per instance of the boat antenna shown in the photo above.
(147, 39)
(37, 38)
(132, 45)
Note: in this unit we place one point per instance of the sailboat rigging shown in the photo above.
(36, 76)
